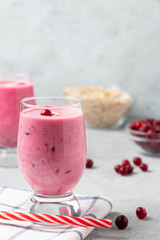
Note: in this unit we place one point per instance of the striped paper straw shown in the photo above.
(56, 219)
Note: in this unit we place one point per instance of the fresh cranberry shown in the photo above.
(123, 170)
(131, 126)
(144, 127)
(137, 125)
(143, 167)
(46, 112)
(129, 169)
(117, 168)
(151, 134)
(125, 162)
(157, 128)
(141, 212)
(149, 120)
(89, 163)
(137, 161)
(121, 222)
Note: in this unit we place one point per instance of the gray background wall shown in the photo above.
(85, 42)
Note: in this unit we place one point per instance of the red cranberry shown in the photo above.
(89, 163)
(137, 161)
(143, 167)
(137, 125)
(46, 112)
(151, 134)
(144, 127)
(141, 212)
(125, 162)
(131, 125)
(157, 129)
(129, 169)
(149, 120)
(121, 222)
(117, 168)
(123, 170)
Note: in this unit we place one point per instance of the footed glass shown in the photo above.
(52, 152)
(12, 91)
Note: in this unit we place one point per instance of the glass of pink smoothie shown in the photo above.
(52, 152)
(12, 91)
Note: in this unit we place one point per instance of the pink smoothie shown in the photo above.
(52, 150)
(11, 93)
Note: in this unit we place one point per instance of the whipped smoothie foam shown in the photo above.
(52, 149)
(11, 93)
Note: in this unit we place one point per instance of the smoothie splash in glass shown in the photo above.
(52, 152)
(12, 91)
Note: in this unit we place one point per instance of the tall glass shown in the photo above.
(12, 91)
(52, 152)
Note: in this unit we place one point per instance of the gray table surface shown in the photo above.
(108, 148)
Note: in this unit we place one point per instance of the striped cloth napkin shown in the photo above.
(12, 200)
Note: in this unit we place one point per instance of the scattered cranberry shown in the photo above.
(121, 222)
(137, 161)
(89, 163)
(129, 169)
(125, 162)
(141, 212)
(117, 168)
(46, 112)
(125, 168)
(143, 167)
(122, 170)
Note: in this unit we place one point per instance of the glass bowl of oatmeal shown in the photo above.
(103, 107)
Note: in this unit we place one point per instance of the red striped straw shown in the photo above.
(60, 219)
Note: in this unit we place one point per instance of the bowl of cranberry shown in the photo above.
(146, 135)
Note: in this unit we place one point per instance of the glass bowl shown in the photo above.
(147, 143)
(103, 107)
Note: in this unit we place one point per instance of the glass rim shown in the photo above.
(12, 77)
(78, 102)
(140, 136)
(132, 131)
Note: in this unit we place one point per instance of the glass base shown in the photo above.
(119, 123)
(66, 205)
(8, 157)
(151, 152)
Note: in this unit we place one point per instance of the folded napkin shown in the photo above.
(12, 200)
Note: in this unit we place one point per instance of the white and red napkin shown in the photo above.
(12, 200)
